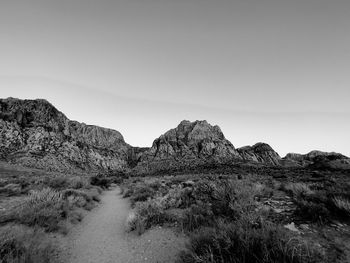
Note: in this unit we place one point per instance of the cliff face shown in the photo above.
(189, 144)
(261, 153)
(34, 133)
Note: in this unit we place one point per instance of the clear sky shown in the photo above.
(263, 70)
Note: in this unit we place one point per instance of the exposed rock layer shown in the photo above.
(34, 133)
(318, 159)
(260, 152)
(190, 143)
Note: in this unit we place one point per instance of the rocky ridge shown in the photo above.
(318, 159)
(189, 144)
(34, 133)
(261, 153)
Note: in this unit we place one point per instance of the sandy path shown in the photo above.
(101, 237)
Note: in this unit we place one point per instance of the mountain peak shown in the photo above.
(39, 135)
(189, 143)
(260, 152)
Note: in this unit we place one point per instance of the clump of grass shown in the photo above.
(245, 241)
(22, 244)
(48, 207)
(342, 204)
(141, 194)
(151, 212)
(11, 190)
(135, 222)
(43, 208)
(78, 182)
(298, 190)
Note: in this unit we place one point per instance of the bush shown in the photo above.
(151, 213)
(42, 208)
(78, 182)
(141, 194)
(342, 204)
(11, 190)
(24, 245)
(47, 208)
(247, 242)
(313, 211)
(196, 216)
(100, 181)
(58, 182)
(298, 190)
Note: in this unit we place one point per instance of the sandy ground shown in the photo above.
(101, 238)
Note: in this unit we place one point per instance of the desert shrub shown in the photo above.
(232, 199)
(24, 245)
(247, 242)
(81, 198)
(127, 191)
(196, 216)
(78, 182)
(177, 197)
(298, 190)
(262, 190)
(141, 194)
(76, 193)
(313, 211)
(342, 204)
(58, 182)
(100, 181)
(47, 207)
(11, 190)
(43, 208)
(151, 212)
(135, 222)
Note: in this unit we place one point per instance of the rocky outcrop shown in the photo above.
(189, 144)
(261, 153)
(319, 159)
(34, 133)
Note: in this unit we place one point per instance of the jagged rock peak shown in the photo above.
(190, 143)
(34, 133)
(37, 112)
(260, 152)
(194, 132)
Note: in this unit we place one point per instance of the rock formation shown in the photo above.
(318, 159)
(189, 144)
(34, 133)
(261, 153)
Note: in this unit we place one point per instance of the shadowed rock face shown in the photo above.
(190, 143)
(34, 133)
(261, 153)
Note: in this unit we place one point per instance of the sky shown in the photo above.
(269, 71)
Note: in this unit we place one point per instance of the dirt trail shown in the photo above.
(101, 237)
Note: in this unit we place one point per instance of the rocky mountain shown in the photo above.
(34, 133)
(261, 153)
(189, 144)
(318, 159)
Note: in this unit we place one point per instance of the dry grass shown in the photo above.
(298, 190)
(20, 244)
(342, 204)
